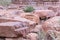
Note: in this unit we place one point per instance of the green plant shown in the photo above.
(28, 9)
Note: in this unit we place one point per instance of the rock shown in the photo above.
(44, 14)
(58, 14)
(37, 29)
(6, 20)
(20, 38)
(17, 18)
(25, 24)
(53, 8)
(13, 7)
(13, 29)
(2, 38)
(51, 24)
(1, 7)
(10, 13)
(32, 24)
(40, 13)
(32, 36)
(31, 17)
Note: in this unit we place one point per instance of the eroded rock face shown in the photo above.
(52, 24)
(1, 7)
(54, 8)
(52, 28)
(20, 26)
(37, 29)
(44, 13)
(13, 29)
(2, 20)
(32, 36)
(31, 17)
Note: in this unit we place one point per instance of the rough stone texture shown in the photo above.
(31, 23)
(31, 17)
(53, 8)
(44, 13)
(10, 13)
(2, 38)
(32, 36)
(54, 25)
(37, 29)
(13, 29)
(1, 7)
(13, 7)
(24, 26)
(20, 38)
(7, 20)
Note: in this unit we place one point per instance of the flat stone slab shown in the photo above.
(11, 29)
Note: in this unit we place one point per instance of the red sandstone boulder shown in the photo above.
(19, 26)
(22, 22)
(1, 7)
(53, 8)
(13, 7)
(10, 13)
(32, 36)
(37, 29)
(13, 29)
(31, 23)
(44, 13)
(31, 17)
(51, 24)
(19, 19)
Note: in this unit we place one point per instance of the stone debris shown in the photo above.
(15, 24)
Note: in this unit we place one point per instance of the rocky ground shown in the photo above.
(15, 24)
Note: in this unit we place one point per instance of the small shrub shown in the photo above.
(28, 9)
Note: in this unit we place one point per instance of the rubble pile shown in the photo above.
(15, 24)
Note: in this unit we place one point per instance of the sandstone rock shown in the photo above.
(44, 13)
(20, 38)
(25, 23)
(13, 7)
(10, 13)
(31, 23)
(58, 13)
(40, 13)
(13, 29)
(37, 28)
(2, 38)
(54, 25)
(6, 20)
(32, 36)
(31, 17)
(1, 7)
(53, 8)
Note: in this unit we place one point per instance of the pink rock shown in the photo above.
(1, 7)
(20, 26)
(52, 24)
(13, 29)
(44, 13)
(32, 36)
(31, 17)
(37, 28)
(51, 27)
